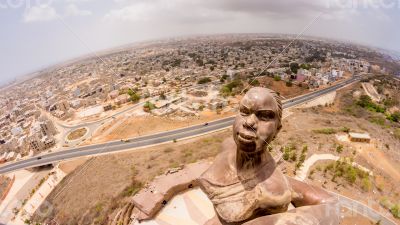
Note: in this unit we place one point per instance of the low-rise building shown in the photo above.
(359, 137)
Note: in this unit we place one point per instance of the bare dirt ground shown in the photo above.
(282, 88)
(69, 166)
(96, 188)
(317, 129)
(4, 182)
(143, 125)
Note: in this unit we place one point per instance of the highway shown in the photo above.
(148, 140)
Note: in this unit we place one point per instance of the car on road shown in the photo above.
(206, 124)
(39, 158)
(125, 140)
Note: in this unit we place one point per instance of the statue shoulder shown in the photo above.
(221, 171)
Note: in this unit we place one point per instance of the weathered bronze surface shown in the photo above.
(244, 183)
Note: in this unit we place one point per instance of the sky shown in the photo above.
(35, 34)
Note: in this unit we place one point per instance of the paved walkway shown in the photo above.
(40, 195)
(302, 174)
(371, 91)
(25, 181)
(189, 208)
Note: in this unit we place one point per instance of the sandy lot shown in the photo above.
(280, 86)
(95, 189)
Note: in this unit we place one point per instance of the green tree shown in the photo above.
(294, 67)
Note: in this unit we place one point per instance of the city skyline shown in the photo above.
(38, 34)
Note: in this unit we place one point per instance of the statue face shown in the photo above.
(257, 122)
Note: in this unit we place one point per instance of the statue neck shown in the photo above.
(252, 162)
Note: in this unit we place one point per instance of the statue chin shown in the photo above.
(247, 147)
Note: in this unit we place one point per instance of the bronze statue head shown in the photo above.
(258, 120)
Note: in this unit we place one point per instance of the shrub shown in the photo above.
(204, 80)
(378, 120)
(351, 175)
(293, 156)
(395, 210)
(286, 154)
(339, 149)
(148, 106)
(227, 89)
(366, 102)
(254, 82)
(395, 117)
(132, 189)
(345, 129)
(277, 78)
(366, 184)
(305, 149)
(135, 97)
(397, 133)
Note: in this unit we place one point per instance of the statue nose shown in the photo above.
(251, 122)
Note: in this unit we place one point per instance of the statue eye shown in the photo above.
(244, 111)
(266, 115)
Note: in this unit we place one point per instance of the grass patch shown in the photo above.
(366, 102)
(76, 134)
(231, 88)
(344, 169)
(396, 133)
(378, 120)
(325, 131)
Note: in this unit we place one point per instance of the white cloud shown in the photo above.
(73, 10)
(39, 13)
(184, 11)
(133, 13)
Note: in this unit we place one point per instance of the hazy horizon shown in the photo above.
(39, 35)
